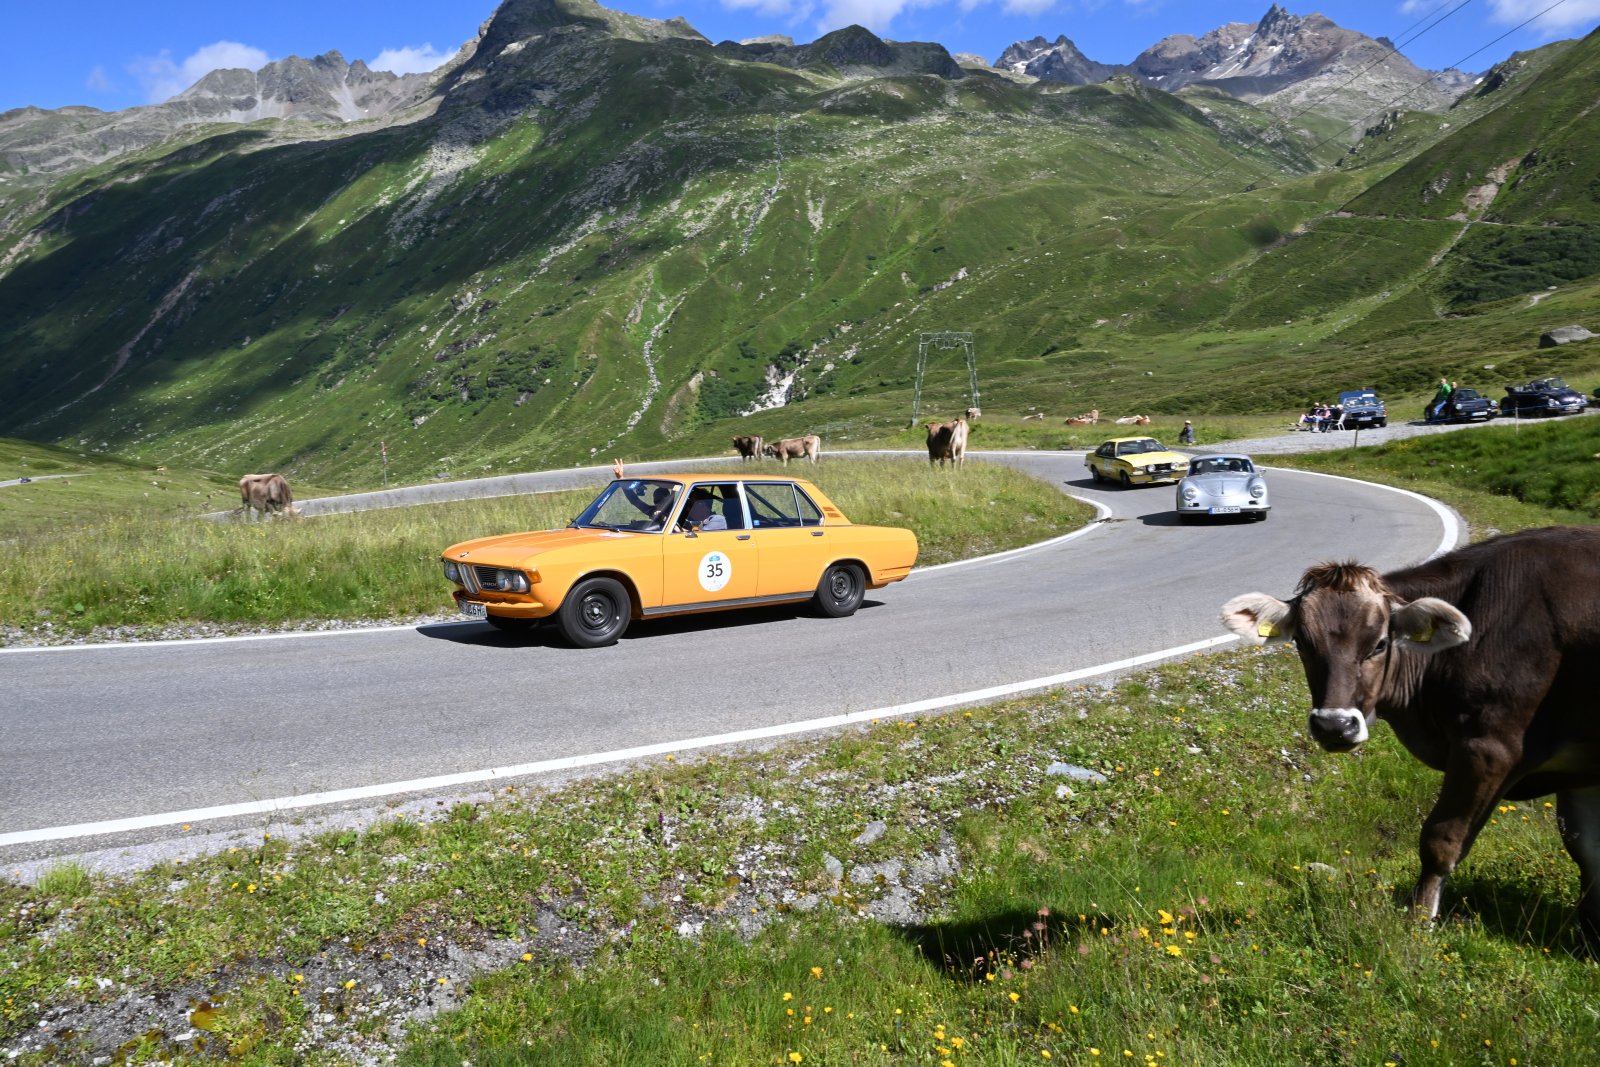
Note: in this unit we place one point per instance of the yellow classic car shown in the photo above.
(675, 544)
(1132, 461)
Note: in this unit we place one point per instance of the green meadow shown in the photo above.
(145, 568)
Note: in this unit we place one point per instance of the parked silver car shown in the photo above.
(1226, 484)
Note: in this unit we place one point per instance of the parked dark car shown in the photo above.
(1464, 405)
(1362, 407)
(1544, 396)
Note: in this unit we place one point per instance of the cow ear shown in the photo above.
(1259, 619)
(1428, 625)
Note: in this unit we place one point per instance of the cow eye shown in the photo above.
(1381, 647)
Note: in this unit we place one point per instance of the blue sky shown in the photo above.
(113, 55)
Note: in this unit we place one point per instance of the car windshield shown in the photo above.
(1139, 447)
(631, 504)
(1555, 385)
(1358, 398)
(1466, 394)
(1220, 465)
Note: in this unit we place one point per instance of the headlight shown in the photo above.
(452, 572)
(1257, 490)
(513, 581)
(1191, 493)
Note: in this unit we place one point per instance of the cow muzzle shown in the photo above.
(1338, 729)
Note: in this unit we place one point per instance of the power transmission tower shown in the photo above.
(944, 340)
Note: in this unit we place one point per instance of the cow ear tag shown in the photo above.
(1424, 635)
(1266, 629)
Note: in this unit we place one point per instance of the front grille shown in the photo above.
(1160, 468)
(492, 578)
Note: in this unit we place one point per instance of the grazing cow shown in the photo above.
(749, 446)
(947, 441)
(1134, 420)
(1035, 415)
(1088, 418)
(973, 413)
(807, 447)
(267, 493)
(1511, 714)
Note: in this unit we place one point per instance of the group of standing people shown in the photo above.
(1443, 399)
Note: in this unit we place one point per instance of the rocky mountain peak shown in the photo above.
(1283, 61)
(1059, 60)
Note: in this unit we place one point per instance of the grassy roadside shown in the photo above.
(916, 892)
(148, 571)
(1501, 478)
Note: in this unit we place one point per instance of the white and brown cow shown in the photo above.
(947, 441)
(807, 447)
(1134, 420)
(1482, 661)
(268, 494)
(748, 446)
(1088, 418)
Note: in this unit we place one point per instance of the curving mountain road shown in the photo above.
(102, 745)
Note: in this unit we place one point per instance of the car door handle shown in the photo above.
(744, 537)
(816, 533)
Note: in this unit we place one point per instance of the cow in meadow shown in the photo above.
(807, 447)
(1482, 662)
(947, 441)
(268, 494)
(1088, 418)
(748, 445)
(1134, 420)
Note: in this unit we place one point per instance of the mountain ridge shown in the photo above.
(604, 236)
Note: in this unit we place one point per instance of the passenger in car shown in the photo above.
(698, 513)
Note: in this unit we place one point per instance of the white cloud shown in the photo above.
(875, 15)
(1568, 16)
(789, 10)
(409, 60)
(163, 79)
(1027, 7)
(99, 82)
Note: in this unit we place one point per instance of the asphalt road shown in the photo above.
(158, 733)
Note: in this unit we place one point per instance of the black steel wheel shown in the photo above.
(595, 613)
(840, 592)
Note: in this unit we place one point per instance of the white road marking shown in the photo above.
(521, 770)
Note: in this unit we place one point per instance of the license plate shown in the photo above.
(472, 609)
(1223, 511)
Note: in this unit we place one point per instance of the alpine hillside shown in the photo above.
(595, 234)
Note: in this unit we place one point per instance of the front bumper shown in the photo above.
(521, 608)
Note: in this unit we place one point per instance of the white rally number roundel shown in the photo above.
(715, 570)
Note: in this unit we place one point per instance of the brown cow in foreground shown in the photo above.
(807, 447)
(1510, 714)
(267, 493)
(947, 441)
(749, 446)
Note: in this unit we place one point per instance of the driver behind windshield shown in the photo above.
(656, 509)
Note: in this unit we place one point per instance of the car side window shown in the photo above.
(773, 504)
(713, 506)
(810, 514)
